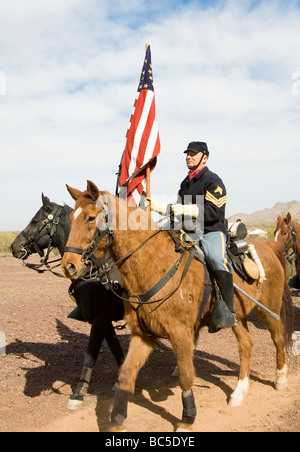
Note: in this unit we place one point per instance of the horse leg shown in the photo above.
(97, 334)
(114, 345)
(277, 334)
(245, 347)
(138, 353)
(183, 348)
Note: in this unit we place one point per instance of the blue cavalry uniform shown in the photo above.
(211, 188)
(209, 212)
(207, 184)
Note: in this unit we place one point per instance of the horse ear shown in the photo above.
(47, 204)
(73, 192)
(93, 190)
(288, 218)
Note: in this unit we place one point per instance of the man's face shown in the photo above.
(194, 158)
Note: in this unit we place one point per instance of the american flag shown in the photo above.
(142, 139)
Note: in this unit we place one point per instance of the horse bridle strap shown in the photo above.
(49, 224)
(88, 253)
(292, 229)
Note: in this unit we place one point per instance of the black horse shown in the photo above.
(49, 228)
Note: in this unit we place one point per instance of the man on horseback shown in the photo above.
(202, 182)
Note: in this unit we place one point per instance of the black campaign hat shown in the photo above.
(198, 146)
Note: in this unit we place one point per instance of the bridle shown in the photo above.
(289, 241)
(88, 256)
(47, 226)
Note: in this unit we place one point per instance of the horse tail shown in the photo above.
(287, 308)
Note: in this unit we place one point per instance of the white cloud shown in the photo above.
(222, 73)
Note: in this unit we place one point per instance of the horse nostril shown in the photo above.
(71, 268)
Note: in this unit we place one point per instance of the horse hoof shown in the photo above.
(120, 429)
(235, 401)
(281, 379)
(181, 427)
(281, 386)
(74, 404)
(238, 395)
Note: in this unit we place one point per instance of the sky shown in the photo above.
(225, 72)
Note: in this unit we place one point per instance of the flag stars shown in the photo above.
(146, 80)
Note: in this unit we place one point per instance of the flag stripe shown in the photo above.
(142, 138)
(136, 149)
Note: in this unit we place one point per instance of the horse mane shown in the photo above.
(297, 226)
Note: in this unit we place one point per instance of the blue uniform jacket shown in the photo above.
(211, 187)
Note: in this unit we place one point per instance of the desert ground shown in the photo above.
(44, 353)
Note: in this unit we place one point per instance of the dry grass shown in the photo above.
(6, 238)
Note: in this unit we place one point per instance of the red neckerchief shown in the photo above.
(192, 174)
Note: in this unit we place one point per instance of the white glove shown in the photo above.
(159, 207)
(190, 210)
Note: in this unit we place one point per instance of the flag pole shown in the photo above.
(148, 170)
(118, 176)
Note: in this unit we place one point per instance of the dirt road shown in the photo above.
(44, 352)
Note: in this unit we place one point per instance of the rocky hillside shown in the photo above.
(269, 216)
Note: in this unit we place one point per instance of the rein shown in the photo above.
(102, 269)
(292, 240)
(143, 299)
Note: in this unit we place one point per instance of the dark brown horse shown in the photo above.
(173, 317)
(287, 233)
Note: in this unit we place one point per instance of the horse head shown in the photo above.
(35, 237)
(89, 225)
(284, 230)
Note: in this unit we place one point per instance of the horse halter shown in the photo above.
(47, 226)
(88, 253)
(292, 240)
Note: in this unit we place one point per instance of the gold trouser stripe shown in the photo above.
(224, 250)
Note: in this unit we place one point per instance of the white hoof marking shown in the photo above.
(237, 397)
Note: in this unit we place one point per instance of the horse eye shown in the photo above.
(90, 219)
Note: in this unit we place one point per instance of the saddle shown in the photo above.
(241, 255)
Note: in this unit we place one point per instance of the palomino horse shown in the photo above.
(287, 233)
(100, 221)
(51, 225)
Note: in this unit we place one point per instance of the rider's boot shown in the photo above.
(223, 315)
